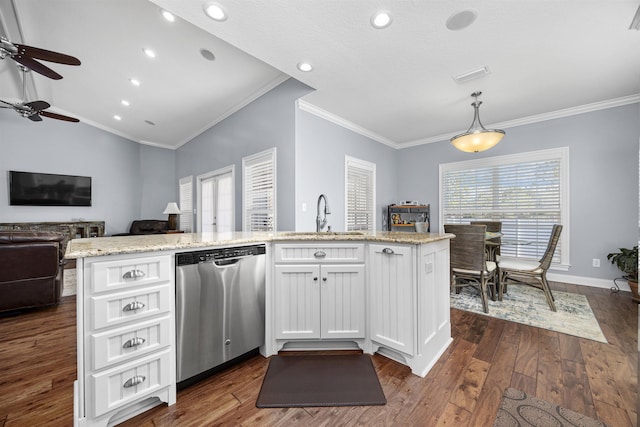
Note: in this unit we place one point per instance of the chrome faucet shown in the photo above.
(322, 222)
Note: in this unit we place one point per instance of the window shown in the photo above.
(360, 194)
(527, 192)
(186, 204)
(259, 191)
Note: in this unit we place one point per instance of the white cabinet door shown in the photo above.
(342, 301)
(391, 276)
(297, 301)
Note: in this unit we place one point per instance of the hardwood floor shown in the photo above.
(464, 388)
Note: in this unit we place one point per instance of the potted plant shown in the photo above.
(627, 261)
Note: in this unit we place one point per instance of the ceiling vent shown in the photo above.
(472, 75)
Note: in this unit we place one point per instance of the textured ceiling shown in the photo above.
(546, 59)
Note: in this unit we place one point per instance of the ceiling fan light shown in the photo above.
(477, 138)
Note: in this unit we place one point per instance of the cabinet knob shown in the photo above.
(324, 279)
(134, 381)
(315, 279)
(132, 306)
(133, 274)
(320, 254)
(133, 342)
(388, 251)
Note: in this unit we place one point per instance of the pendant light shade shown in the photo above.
(477, 138)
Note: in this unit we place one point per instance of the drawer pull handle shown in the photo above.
(133, 274)
(320, 254)
(388, 251)
(134, 381)
(133, 342)
(132, 306)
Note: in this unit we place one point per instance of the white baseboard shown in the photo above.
(587, 281)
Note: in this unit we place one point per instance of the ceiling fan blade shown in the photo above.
(58, 116)
(34, 65)
(38, 105)
(46, 55)
(5, 102)
(35, 118)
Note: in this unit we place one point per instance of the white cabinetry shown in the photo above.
(126, 352)
(392, 279)
(409, 319)
(319, 292)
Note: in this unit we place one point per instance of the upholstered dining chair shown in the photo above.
(533, 273)
(468, 263)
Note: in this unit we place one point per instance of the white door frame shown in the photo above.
(205, 176)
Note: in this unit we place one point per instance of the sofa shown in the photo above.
(31, 269)
(146, 226)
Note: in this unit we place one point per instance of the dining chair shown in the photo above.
(493, 245)
(532, 273)
(468, 261)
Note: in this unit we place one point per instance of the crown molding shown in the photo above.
(587, 108)
(312, 109)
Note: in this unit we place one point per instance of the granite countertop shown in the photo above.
(99, 246)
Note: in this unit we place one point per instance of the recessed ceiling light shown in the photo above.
(125, 103)
(305, 66)
(207, 54)
(215, 11)
(381, 19)
(117, 117)
(168, 15)
(134, 82)
(461, 20)
(149, 52)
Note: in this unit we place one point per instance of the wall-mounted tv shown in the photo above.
(46, 189)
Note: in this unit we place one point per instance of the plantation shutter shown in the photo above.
(360, 195)
(526, 193)
(259, 195)
(186, 204)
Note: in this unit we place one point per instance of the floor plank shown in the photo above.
(464, 388)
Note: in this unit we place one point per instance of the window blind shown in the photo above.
(527, 193)
(185, 190)
(259, 195)
(360, 195)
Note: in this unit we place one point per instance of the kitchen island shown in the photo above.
(384, 292)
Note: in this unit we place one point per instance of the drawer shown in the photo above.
(117, 387)
(122, 344)
(138, 304)
(320, 252)
(118, 274)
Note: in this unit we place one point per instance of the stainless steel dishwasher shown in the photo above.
(219, 306)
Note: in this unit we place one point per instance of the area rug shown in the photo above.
(320, 380)
(519, 410)
(527, 305)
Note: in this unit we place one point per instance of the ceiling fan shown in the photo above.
(27, 55)
(34, 109)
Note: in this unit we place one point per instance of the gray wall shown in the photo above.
(267, 122)
(158, 184)
(53, 146)
(603, 162)
(321, 147)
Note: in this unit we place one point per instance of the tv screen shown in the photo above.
(46, 189)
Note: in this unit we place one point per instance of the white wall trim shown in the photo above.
(587, 281)
(595, 106)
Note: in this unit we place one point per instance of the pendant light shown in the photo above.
(477, 138)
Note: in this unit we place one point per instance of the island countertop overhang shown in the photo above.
(118, 245)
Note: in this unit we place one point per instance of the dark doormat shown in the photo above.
(320, 380)
(518, 409)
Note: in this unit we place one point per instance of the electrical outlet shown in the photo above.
(596, 262)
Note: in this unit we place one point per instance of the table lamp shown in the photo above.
(172, 210)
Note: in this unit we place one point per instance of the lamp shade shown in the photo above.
(477, 138)
(172, 208)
